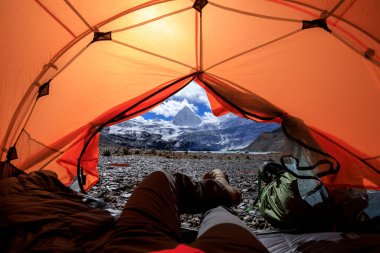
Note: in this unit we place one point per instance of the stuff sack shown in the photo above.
(289, 200)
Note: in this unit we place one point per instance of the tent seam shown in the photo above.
(354, 48)
(336, 7)
(133, 9)
(70, 61)
(55, 18)
(333, 15)
(254, 48)
(254, 14)
(151, 20)
(78, 14)
(153, 54)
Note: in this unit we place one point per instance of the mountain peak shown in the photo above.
(186, 117)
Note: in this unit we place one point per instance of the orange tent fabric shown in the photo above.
(71, 67)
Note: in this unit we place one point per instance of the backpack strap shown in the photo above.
(270, 168)
(277, 169)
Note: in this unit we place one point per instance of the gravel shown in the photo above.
(120, 174)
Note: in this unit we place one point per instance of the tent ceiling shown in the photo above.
(254, 46)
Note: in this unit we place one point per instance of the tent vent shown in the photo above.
(98, 36)
(321, 23)
(44, 89)
(369, 53)
(12, 154)
(199, 4)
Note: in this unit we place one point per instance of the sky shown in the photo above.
(192, 96)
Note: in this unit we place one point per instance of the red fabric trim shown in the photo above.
(89, 161)
(181, 248)
(220, 107)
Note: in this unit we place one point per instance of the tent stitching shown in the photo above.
(255, 14)
(229, 82)
(255, 48)
(197, 37)
(70, 61)
(133, 9)
(104, 22)
(335, 16)
(200, 42)
(79, 15)
(151, 20)
(55, 18)
(336, 7)
(354, 48)
(338, 18)
(153, 54)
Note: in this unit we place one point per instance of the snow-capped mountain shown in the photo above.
(186, 117)
(228, 132)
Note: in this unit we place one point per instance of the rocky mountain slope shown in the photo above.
(273, 141)
(187, 131)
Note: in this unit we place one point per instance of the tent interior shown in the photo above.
(71, 68)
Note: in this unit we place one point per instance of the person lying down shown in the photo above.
(39, 213)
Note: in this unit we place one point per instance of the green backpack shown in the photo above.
(289, 200)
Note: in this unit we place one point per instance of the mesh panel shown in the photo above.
(41, 152)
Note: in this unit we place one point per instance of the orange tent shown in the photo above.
(69, 68)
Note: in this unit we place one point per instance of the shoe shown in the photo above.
(222, 177)
(216, 173)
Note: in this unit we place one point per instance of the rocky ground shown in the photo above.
(121, 170)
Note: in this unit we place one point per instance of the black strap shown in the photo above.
(308, 168)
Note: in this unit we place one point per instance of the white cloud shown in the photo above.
(141, 119)
(208, 117)
(171, 107)
(194, 94)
